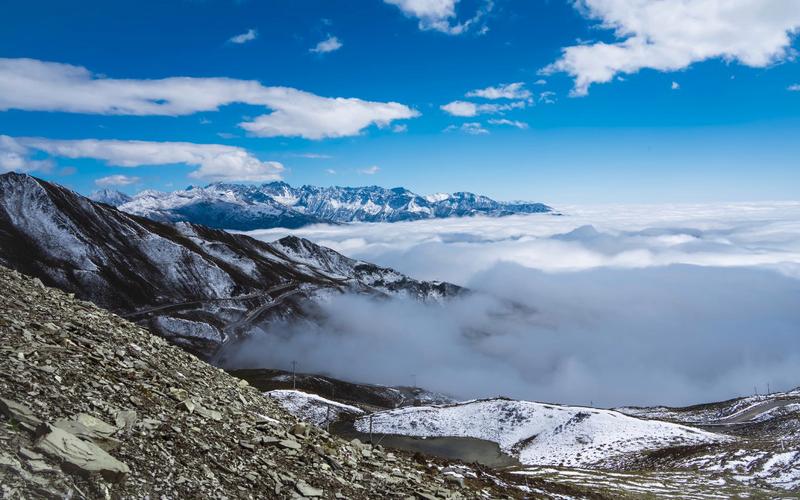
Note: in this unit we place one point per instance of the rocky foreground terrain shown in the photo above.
(93, 406)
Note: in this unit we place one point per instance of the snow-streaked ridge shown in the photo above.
(310, 407)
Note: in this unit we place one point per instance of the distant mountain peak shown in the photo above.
(110, 197)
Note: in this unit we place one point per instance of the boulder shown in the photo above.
(77, 455)
(19, 412)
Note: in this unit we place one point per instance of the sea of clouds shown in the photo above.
(611, 305)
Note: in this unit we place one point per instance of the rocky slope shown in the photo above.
(277, 204)
(93, 406)
(197, 286)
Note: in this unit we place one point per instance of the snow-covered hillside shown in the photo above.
(756, 408)
(312, 408)
(277, 204)
(538, 433)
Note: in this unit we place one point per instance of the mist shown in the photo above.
(612, 308)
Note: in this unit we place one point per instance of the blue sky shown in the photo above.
(617, 100)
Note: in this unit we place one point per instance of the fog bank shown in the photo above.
(620, 307)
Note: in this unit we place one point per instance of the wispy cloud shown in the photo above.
(468, 109)
(33, 85)
(374, 169)
(507, 91)
(510, 123)
(547, 97)
(245, 37)
(312, 156)
(440, 15)
(116, 180)
(794, 88)
(471, 128)
(330, 44)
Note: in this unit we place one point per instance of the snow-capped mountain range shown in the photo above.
(200, 287)
(277, 204)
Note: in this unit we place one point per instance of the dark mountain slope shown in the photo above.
(196, 285)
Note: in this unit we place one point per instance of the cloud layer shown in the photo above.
(670, 35)
(33, 85)
(216, 162)
(615, 305)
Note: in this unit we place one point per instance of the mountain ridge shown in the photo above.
(278, 204)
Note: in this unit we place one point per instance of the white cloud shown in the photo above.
(670, 35)
(508, 91)
(374, 169)
(216, 162)
(245, 37)
(400, 128)
(794, 88)
(675, 85)
(301, 114)
(33, 85)
(330, 44)
(510, 123)
(15, 157)
(540, 81)
(461, 108)
(438, 15)
(468, 109)
(330, 171)
(117, 180)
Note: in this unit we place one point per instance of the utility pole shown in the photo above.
(328, 419)
(294, 371)
(768, 389)
(370, 428)
(413, 380)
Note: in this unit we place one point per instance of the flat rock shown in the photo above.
(19, 412)
(79, 455)
(307, 490)
(290, 444)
